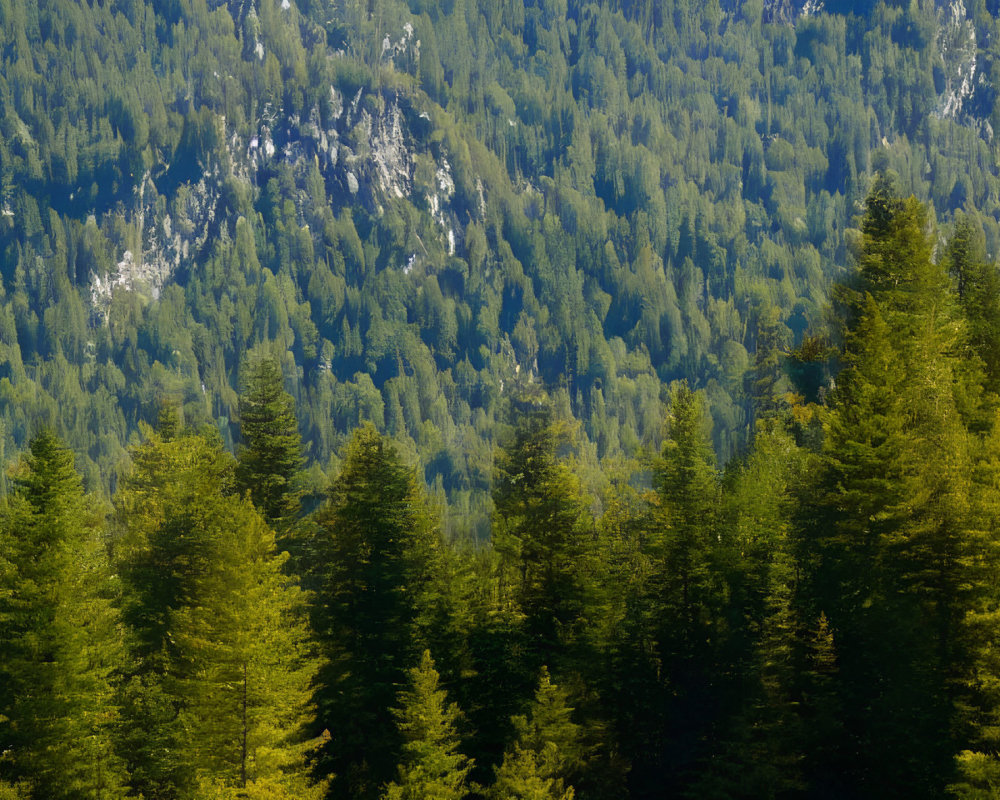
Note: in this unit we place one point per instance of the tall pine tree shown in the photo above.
(886, 533)
(270, 455)
(59, 634)
(219, 691)
(376, 567)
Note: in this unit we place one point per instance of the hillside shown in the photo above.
(426, 209)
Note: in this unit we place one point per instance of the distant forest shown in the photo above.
(421, 210)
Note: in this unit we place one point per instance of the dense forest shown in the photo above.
(540, 400)
(820, 619)
(421, 209)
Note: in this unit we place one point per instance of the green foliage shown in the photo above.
(59, 634)
(271, 455)
(221, 665)
(604, 199)
(431, 765)
(543, 537)
(375, 559)
(548, 749)
(889, 538)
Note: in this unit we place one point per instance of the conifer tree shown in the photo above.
(688, 593)
(548, 750)
(545, 542)
(760, 751)
(219, 693)
(431, 765)
(977, 285)
(886, 531)
(376, 563)
(271, 453)
(59, 634)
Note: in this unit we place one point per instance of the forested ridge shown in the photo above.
(420, 208)
(817, 619)
(499, 400)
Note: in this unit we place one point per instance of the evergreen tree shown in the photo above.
(760, 750)
(431, 765)
(978, 763)
(270, 457)
(887, 531)
(59, 634)
(545, 541)
(220, 688)
(376, 561)
(548, 750)
(688, 595)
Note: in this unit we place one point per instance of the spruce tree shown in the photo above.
(375, 559)
(687, 597)
(759, 750)
(545, 541)
(219, 692)
(886, 532)
(431, 765)
(59, 633)
(270, 455)
(547, 752)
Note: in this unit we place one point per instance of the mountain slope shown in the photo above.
(427, 208)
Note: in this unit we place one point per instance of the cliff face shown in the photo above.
(956, 47)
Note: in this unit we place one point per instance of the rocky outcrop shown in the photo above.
(956, 44)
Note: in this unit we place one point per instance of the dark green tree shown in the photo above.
(270, 456)
(886, 533)
(688, 595)
(375, 557)
(545, 540)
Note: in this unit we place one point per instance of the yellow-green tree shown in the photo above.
(219, 693)
(431, 765)
(59, 633)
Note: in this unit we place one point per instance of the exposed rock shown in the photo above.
(956, 42)
(389, 156)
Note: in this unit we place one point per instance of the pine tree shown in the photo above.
(431, 767)
(548, 750)
(219, 694)
(978, 763)
(687, 483)
(545, 541)
(760, 750)
(270, 457)
(977, 285)
(886, 532)
(688, 595)
(376, 564)
(59, 634)
(243, 679)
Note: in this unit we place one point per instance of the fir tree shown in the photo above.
(219, 693)
(887, 530)
(59, 634)
(375, 559)
(545, 541)
(548, 750)
(688, 595)
(431, 767)
(270, 457)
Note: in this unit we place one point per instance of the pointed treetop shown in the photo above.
(431, 766)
